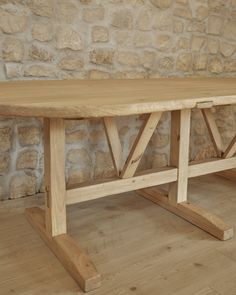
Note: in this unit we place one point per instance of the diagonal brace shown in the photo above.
(230, 151)
(140, 144)
(113, 142)
(213, 131)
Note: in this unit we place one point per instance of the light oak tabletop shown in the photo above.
(102, 98)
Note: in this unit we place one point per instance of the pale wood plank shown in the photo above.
(211, 166)
(140, 144)
(87, 98)
(213, 131)
(103, 189)
(71, 256)
(231, 149)
(114, 142)
(192, 213)
(179, 154)
(54, 163)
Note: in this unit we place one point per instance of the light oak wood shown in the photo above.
(179, 154)
(114, 142)
(231, 149)
(86, 99)
(140, 144)
(213, 131)
(192, 213)
(71, 256)
(59, 100)
(99, 190)
(54, 161)
(211, 166)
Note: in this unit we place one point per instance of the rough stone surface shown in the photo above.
(92, 15)
(215, 24)
(162, 4)
(100, 34)
(184, 62)
(29, 135)
(102, 56)
(122, 19)
(5, 139)
(71, 63)
(76, 156)
(4, 163)
(66, 37)
(12, 22)
(94, 39)
(13, 70)
(39, 70)
(229, 30)
(27, 160)
(40, 53)
(22, 185)
(128, 58)
(215, 65)
(41, 7)
(42, 31)
(13, 50)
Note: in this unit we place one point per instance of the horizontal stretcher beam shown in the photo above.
(211, 166)
(165, 175)
(118, 186)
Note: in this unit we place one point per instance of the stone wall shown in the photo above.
(67, 39)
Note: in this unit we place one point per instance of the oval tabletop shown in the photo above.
(102, 98)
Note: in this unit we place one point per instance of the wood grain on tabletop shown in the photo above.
(101, 98)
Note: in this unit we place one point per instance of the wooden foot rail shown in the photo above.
(67, 251)
(192, 213)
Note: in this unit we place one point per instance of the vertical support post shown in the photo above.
(54, 165)
(179, 154)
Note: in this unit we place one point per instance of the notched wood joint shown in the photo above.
(204, 105)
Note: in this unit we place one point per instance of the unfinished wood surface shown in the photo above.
(113, 139)
(192, 213)
(231, 149)
(103, 189)
(179, 154)
(138, 247)
(213, 131)
(210, 166)
(140, 144)
(71, 256)
(54, 162)
(85, 98)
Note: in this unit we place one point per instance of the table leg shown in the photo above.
(176, 200)
(51, 223)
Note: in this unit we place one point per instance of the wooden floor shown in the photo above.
(138, 247)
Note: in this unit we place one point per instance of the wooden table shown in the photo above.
(57, 101)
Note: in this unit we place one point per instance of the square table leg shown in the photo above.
(176, 200)
(51, 222)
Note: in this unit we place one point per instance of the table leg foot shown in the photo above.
(192, 213)
(67, 251)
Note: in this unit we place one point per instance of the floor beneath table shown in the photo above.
(138, 247)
